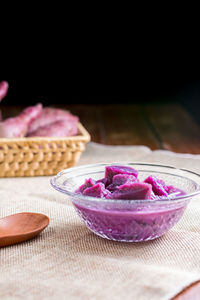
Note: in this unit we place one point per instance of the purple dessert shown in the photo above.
(130, 226)
(173, 191)
(88, 183)
(158, 185)
(130, 191)
(119, 180)
(104, 181)
(111, 171)
(138, 222)
(98, 190)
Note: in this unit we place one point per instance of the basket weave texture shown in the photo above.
(40, 156)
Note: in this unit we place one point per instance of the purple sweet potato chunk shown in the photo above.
(120, 179)
(98, 190)
(158, 186)
(103, 180)
(88, 183)
(111, 187)
(133, 191)
(111, 171)
(174, 191)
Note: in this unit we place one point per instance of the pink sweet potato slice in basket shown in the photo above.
(18, 126)
(51, 115)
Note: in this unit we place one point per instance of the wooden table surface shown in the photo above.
(164, 126)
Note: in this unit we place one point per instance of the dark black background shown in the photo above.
(184, 91)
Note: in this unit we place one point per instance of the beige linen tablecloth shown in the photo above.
(67, 261)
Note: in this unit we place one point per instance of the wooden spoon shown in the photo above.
(21, 227)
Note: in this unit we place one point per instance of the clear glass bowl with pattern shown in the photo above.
(129, 220)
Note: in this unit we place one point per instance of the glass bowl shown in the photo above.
(129, 220)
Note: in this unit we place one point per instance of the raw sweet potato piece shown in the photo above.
(58, 129)
(18, 126)
(3, 89)
(51, 115)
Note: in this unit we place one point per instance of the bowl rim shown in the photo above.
(164, 200)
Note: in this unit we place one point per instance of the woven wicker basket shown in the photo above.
(40, 156)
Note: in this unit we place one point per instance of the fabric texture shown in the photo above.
(67, 261)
